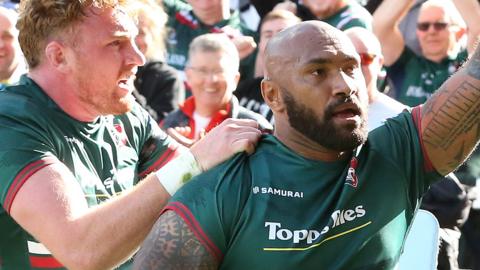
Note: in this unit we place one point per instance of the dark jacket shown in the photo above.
(161, 86)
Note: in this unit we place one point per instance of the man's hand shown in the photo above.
(180, 134)
(287, 5)
(245, 44)
(230, 137)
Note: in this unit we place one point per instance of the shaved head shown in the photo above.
(315, 87)
(362, 37)
(287, 47)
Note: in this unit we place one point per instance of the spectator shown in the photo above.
(248, 13)
(446, 199)
(189, 20)
(317, 194)
(341, 14)
(212, 73)
(75, 143)
(248, 91)
(439, 31)
(157, 83)
(368, 47)
(12, 63)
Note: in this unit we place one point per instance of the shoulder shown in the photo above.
(23, 104)
(230, 176)
(408, 58)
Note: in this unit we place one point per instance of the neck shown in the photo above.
(62, 92)
(435, 58)
(213, 16)
(306, 147)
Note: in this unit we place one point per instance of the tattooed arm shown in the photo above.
(172, 245)
(450, 124)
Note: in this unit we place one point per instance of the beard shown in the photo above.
(324, 131)
(106, 102)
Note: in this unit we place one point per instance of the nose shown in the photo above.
(134, 56)
(343, 85)
(211, 76)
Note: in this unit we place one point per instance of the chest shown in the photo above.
(303, 221)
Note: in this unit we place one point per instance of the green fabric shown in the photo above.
(184, 26)
(277, 210)
(416, 78)
(351, 16)
(104, 156)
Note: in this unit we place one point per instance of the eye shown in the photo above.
(319, 72)
(350, 69)
(7, 36)
(115, 43)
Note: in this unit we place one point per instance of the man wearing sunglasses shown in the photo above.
(441, 29)
(380, 106)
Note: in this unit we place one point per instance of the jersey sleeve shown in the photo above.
(211, 203)
(400, 142)
(155, 148)
(25, 149)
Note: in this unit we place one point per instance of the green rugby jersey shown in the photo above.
(278, 210)
(184, 26)
(416, 78)
(350, 16)
(106, 157)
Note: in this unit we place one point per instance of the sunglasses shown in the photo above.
(438, 26)
(366, 58)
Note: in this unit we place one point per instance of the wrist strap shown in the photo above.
(178, 171)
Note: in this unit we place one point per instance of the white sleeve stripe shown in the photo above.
(37, 248)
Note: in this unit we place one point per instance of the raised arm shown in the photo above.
(470, 11)
(386, 19)
(172, 245)
(450, 122)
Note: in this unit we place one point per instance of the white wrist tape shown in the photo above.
(178, 171)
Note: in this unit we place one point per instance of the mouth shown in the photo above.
(210, 90)
(126, 83)
(348, 112)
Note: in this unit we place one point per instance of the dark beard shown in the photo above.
(324, 132)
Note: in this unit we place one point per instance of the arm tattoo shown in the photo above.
(453, 124)
(172, 245)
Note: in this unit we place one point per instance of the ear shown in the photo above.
(55, 54)
(237, 77)
(271, 95)
(188, 74)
